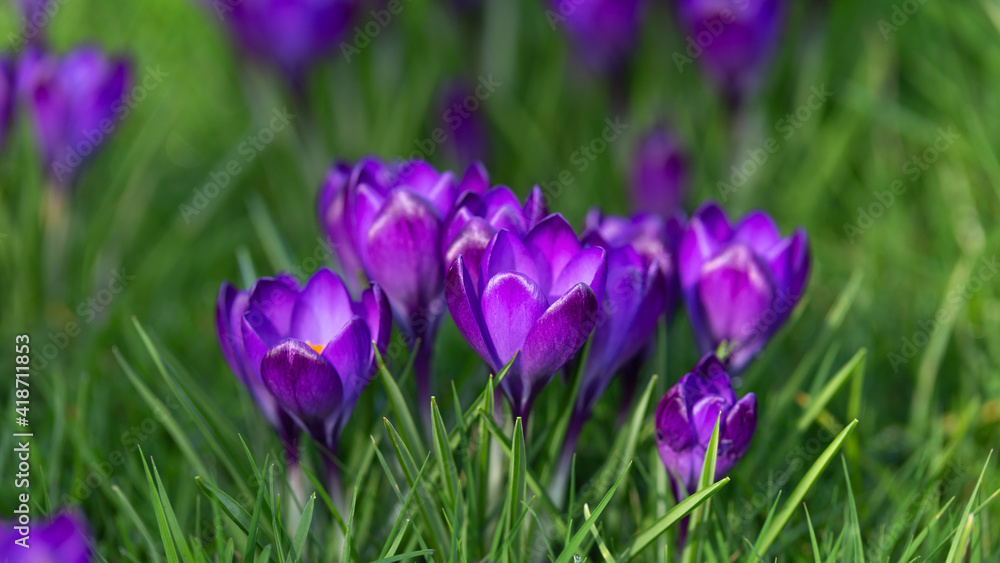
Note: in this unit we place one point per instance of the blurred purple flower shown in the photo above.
(8, 97)
(291, 34)
(604, 32)
(63, 539)
(538, 298)
(685, 420)
(740, 284)
(386, 222)
(734, 39)
(659, 174)
(467, 139)
(75, 102)
(477, 217)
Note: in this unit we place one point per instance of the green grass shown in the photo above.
(910, 479)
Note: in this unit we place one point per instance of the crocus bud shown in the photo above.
(685, 420)
(732, 39)
(466, 134)
(291, 34)
(36, 18)
(312, 349)
(74, 101)
(659, 174)
(229, 311)
(63, 539)
(477, 217)
(740, 284)
(7, 97)
(538, 298)
(604, 32)
(386, 223)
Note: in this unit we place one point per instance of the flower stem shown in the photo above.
(560, 479)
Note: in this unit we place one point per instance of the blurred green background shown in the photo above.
(891, 92)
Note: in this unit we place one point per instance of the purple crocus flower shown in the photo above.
(538, 298)
(7, 96)
(659, 174)
(63, 539)
(291, 34)
(740, 284)
(75, 101)
(312, 349)
(685, 419)
(229, 311)
(477, 217)
(386, 222)
(733, 39)
(603, 31)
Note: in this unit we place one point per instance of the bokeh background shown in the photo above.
(931, 418)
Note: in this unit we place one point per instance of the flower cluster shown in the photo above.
(525, 291)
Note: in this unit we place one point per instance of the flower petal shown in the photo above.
(303, 383)
(705, 234)
(274, 300)
(673, 425)
(464, 305)
(758, 231)
(555, 242)
(512, 303)
(228, 314)
(589, 266)
(374, 309)
(535, 207)
(402, 248)
(322, 309)
(506, 253)
(741, 422)
(735, 292)
(558, 334)
(471, 241)
(351, 354)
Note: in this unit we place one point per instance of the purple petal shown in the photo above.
(506, 253)
(351, 354)
(228, 314)
(758, 231)
(475, 180)
(741, 422)
(555, 243)
(304, 383)
(735, 294)
(367, 203)
(789, 264)
(374, 309)
(512, 303)
(673, 426)
(322, 309)
(589, 267)
(402, 251)
(337, 222)
(259, 336)
(273, 300)
(535, 207)
(704, 415)
(558, 334)
(706, 233)
(464, 306)
(471, 242)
